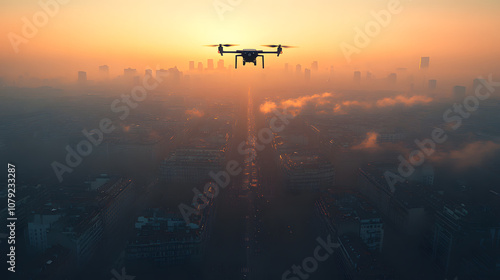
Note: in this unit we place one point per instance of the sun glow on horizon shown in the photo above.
(81, 35)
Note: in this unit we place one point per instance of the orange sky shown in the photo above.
(458, 35)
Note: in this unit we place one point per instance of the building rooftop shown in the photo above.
(363, 261)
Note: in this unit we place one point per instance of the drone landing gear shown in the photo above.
(236, 61)
(262, 60)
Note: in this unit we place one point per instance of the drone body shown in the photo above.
(249, 55)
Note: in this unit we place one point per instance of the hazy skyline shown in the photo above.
(459, 36)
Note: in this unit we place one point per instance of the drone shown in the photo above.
(249, 55)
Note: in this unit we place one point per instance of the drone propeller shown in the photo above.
(283, 46)
(225, 45)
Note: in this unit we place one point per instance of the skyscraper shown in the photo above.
(424, 62)
(307, 74)
(210, 64)
(220, 64)
(191, 65)
(161, 74)
(200, 66)
(148, 72)
(129, 72)
(314, 66)
(82, 77)
(104, 71)
(357, 76)
(298, 69)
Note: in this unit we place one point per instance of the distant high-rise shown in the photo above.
(357, 76)
(191, 65)
(161, 73)
(459, 92)
(104, 71)
(174, 73)
(314, 66)
(220, 64)
(210, 64)
(129, 72)
(307, 74)
(148, 72)
(432, 84)
(424, 62)
(200, 66)
(368, 75)
(298, 69)
(82, 77)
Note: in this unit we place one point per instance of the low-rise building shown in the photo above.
(307, 171)
(402, 205)
(164, 239)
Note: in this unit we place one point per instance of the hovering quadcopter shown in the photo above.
(249, 55)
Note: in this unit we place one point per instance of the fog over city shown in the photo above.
(366, 147)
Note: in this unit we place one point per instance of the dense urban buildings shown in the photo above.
(391, 175)
(165, 239)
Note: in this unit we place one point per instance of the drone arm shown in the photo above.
(276, 52)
